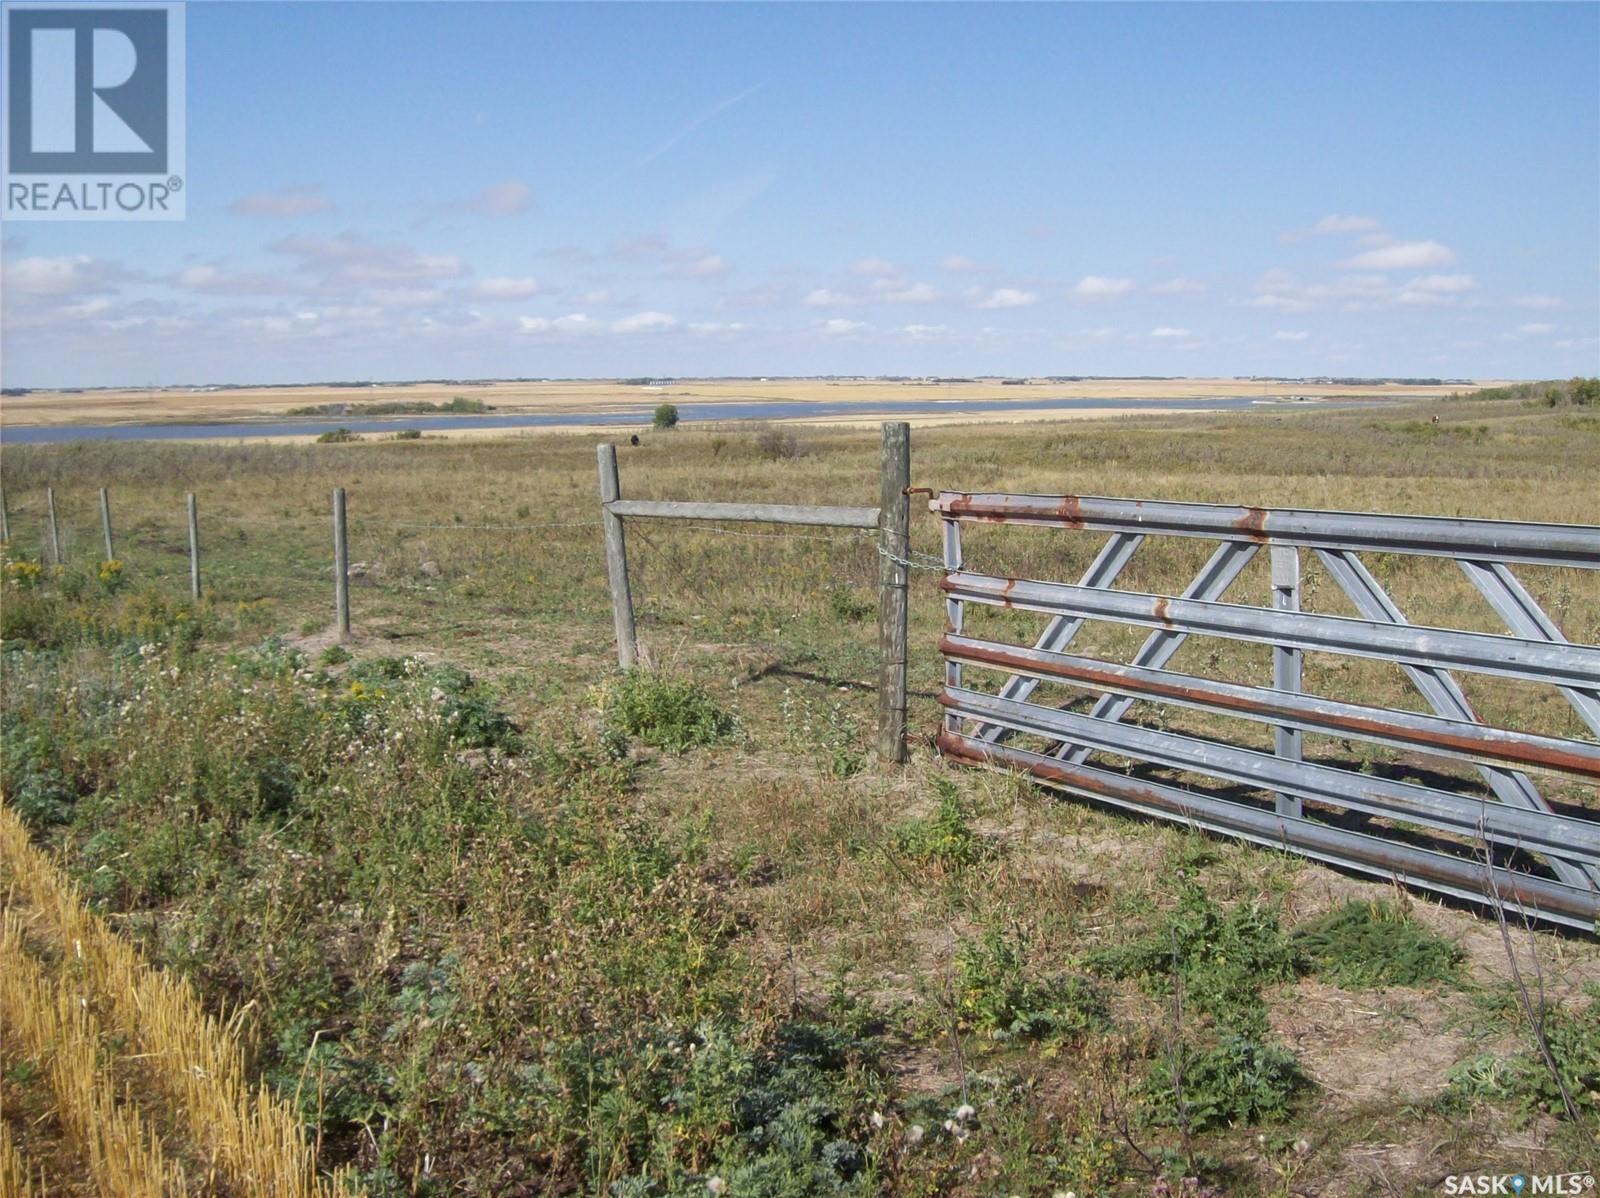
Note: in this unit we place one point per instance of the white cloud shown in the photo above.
(349, 261)
(1006, 297)
(284, 202)
(926, 332)
(707, 266)
(533, 324)
(644, 322)
(1346, 224)
(822, 297)
(910, 293)
(1433, 290)
(1168, 331)
(405, 297)
(844, 328)
(77, 275)
(1101, 287)
(1545, 302)
(213, 280)
(504, 287)
(874, 268)
(501, 199)
(1179, 286)
(710, 328)
(1536, 329)
(1402, 255)
(1290, 335)
(959, 263)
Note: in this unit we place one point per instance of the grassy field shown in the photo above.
(534, 395)
(490, 918)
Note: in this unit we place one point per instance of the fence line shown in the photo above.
(891, 518)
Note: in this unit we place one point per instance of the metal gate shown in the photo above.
(1500, 842)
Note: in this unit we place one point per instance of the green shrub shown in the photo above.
(337, 436)
(1237, 1080)
(334, 655)
(675, 714)
(665, 416)
(409, 434)
(1223, 958)
(997, 995)
(1365, 944)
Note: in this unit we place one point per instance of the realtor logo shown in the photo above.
(94, 112)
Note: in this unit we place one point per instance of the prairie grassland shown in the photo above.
(89, 407)
(503, 922)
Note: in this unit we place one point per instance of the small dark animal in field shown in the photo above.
(1436, 420)
(634, 440)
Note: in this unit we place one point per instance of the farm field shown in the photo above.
(46, 407)
(487, 917)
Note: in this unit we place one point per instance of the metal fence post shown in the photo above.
(1286, 663)
(616, 558)
(105, 522)
(341, 567)
(55, 529)
(194, 547)
(894, 550)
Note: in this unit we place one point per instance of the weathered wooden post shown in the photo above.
(5, 519)
(194, 548)
(55, 529)
(894, 551)
(616, 559)
(105, 523)
(341, 567)
(1286, 662)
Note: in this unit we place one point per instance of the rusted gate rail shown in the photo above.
(1503, 843)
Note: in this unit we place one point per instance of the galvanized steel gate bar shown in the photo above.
(1511, 846)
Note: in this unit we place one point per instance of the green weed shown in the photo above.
(664, 712)
(1365, 944)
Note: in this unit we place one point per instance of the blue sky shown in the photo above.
(420, 190)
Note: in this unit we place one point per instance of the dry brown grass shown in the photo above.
(193, 1060)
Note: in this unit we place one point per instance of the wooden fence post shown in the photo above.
(5, 519)
(194, 548)
(1286, 662)
(55, 529)
(617, 559)
(894, 550)
(105, 522)
(341, 567)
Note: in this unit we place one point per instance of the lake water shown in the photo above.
(688, 413)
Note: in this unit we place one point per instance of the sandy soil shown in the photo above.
(119, 406)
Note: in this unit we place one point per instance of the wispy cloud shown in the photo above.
(507, 198)
(1402, 255)
(1290, 335)
(1101, 287)
(716, 109)
(961, 264)
(644, 322)
(1169, 333)
(1005, 297)
(301, 200)
(1543, 302)
(1179, 286)
(504, 287)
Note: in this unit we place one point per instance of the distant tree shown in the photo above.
(666, 416)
